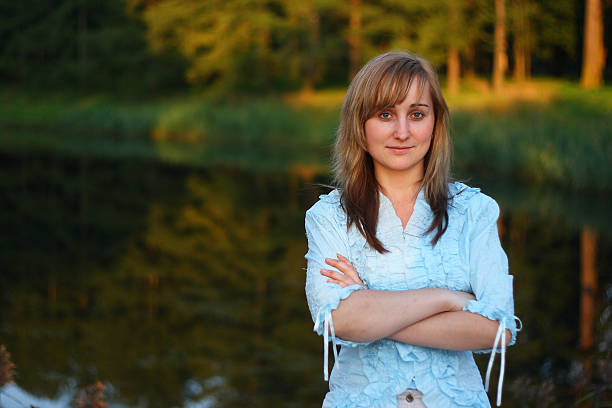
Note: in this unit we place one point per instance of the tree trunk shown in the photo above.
(520, 62)
(593, 53)
(354, 37)
(528, 63)
(588, 285)
(82, 27)
(500, 58)
(312, 73)
(520, 48)
(470, 66)
(588, 282)
(453, 70)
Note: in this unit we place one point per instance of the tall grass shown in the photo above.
(547, 132)
(565, 141)
(264, 134)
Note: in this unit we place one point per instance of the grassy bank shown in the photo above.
(560, 136)
(544, 132)
(263, 135)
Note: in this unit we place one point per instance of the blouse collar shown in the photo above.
(388, 219)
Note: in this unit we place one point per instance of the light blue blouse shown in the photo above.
(468, 257)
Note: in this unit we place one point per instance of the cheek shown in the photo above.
(426, 133)
(372, 134)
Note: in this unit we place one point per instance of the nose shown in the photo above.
(402, 129)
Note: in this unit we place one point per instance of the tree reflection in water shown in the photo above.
(173, 284)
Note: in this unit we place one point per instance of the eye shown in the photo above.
(384, 115)
(417, 115)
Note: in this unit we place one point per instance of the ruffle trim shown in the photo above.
(495, 313)
(461, 195)
(443, 369)
(333, 197)
(434, 265)
(434, 374)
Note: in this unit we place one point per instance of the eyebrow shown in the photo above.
(413, 105)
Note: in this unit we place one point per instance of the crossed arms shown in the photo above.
(431, 317)
(428, 317)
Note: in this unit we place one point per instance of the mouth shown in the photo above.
(399, 149)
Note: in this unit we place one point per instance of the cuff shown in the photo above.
(495, 313)
(325, 311)
(324, 326)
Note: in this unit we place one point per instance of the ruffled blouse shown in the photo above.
(468, 257)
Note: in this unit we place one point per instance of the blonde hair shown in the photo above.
(385, 81)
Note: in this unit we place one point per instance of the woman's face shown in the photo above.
(398, 137)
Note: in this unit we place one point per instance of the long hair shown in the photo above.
(385, 81)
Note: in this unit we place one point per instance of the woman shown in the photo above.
(405, 270)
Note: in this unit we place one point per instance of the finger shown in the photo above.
(345, 267)
(339, 283)
(339, 278)
(341, 266)
(336, 276)
(348, 270)
(333, 262)
(344, 259)
(331, 274)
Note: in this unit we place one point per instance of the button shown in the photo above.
(409, 397)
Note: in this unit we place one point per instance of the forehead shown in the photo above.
(418, 92)
(394, 90)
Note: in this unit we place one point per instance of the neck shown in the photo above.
(400, 186)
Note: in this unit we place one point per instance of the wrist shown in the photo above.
(443, 299)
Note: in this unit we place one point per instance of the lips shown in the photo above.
(400, 149)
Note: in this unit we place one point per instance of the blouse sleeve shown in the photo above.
(489, 278)
(326, 238)
(490, 281)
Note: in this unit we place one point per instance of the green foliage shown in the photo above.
(567, 142)
(225, 41)
(228, 47)
(428, 28)
(546, 29)
(81, 44)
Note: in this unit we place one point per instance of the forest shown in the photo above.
(238, 47)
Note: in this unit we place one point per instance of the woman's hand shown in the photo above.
(458, 300)
(346, 277)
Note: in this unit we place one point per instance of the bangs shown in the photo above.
(394, 85)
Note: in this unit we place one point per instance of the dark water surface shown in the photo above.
(183, 287)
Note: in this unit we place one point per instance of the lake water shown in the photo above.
(183, 287)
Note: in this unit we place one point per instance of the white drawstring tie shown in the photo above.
(328, 326)
(500, 337)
